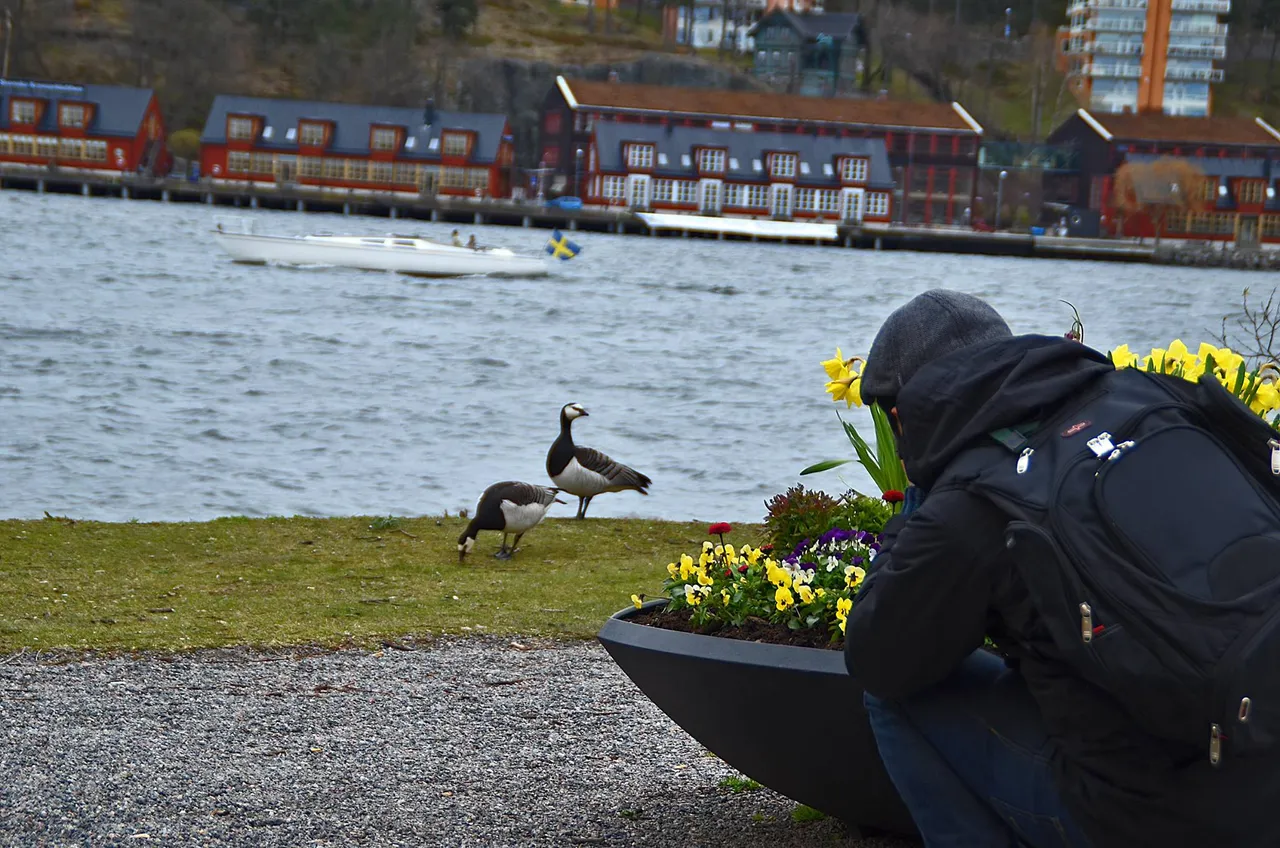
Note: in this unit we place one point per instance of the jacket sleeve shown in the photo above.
(924, 605)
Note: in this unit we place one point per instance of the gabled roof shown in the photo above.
(1179, 129)
(119, 109)
(766, 106)
(745, 149)
(812, 26)
(353, 124)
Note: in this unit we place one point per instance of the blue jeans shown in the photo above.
(970, 758)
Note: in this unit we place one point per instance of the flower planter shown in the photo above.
(789, 718)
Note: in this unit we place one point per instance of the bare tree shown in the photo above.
(1254, 331)
(1159, 188)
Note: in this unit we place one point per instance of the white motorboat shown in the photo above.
(412, 255)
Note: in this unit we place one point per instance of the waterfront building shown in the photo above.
(1145, 55)
(356, 148)
(818, 55)
(1239, 156)
(93, 128)
(759, 154)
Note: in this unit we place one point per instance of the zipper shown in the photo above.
(1024, 459)
(1228, 661)
(1215, 744)
(1086, 623)
(1275, 456)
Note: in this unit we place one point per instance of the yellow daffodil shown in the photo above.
(847, 388)
(691, 595)
(1122, 357)
(638, 600)
(806, 594)
(1267, 398)
(834, 366)
(783, 599)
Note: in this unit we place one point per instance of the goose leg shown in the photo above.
(515, 545)
(502, 551)
(582, 507)
(586, 503)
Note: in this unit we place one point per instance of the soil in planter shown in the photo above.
(751, 630)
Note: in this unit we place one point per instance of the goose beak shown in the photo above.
(584, 413)
(462, 556)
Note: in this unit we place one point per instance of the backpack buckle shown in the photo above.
(1101, 445)
(1215, 744)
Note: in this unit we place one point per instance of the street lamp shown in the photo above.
(1008, 23)
(1000, 197)
(577, 174)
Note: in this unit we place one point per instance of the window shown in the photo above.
(478, 178)
(782, 165)
(1210, 190)
(71, 148)
(1200, 222)
(1271, 226)
(613, 189)
(428, 178)
(686, 191)
(662, 191)
(237, 162)
(358, 169)
(335, 169)
(240, 129)
(380, 172)
(71, 116)
(1251, 191)
(1225, 224)
(711, 161)
(757, 196)
(853, 169)
(454, 178)
(311, 135)
(804, 200)
(25, 145)
(22, 112)
(639, 156)
(95, 151)
(405, 174)
(384, 138)
(47, 147)
(310, 166)
(4, 143)
(877, 204)
(455, 144)
(829, 201)
(261, 163)
(733, 194)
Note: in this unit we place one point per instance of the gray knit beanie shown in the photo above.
(927, 327)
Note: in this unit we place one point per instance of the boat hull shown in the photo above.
(444, 261)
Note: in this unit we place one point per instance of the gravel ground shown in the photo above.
(459, 742)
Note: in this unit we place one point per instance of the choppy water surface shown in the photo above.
(143, 375)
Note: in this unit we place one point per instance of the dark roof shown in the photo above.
(119, 109)
(1179, 129)
(745, 149)
(811, 26)
(755, 105)
(1215, 166)
(353, 124)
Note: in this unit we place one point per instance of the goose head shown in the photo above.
(571, 411)
(466, 542)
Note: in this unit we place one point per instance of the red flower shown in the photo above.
(742, 569)
(728, 573)
(767, 548)
(719, 528)
(893, 496)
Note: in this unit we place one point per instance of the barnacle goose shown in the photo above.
(586, 472)
(508, 507)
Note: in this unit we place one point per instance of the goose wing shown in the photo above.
(616, 473)
(521, 494)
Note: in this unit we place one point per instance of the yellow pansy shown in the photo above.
(820, 592)
(703, 578)
(704, 559)
(691, 595)
(853, 576)
(843, 606)
(783, 599)
(706, 546)
(724, 595)
(637, 600)
(672, 570)
(729, 553)
(806, 594)
(686, 567)
(753, 555)
(719, 550)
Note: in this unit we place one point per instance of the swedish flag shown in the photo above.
(561, 248)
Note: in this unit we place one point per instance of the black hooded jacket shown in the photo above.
(942, 582)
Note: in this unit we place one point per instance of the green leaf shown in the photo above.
(812, 620)
(825, 465)
(793, 624)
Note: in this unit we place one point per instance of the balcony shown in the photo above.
(1076, 30)
(1115, 48)
(1198, 74)
(1094, 69)
(1078, 7)
(1134, 4)
(1214, 30)
(1117, 24)
(1220, 7)
(1198, 51)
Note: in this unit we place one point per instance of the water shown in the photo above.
(144, 376)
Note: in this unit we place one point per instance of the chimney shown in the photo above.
(429, 112)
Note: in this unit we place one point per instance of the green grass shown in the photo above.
(802, 814)
(738, 785)
(295, 581)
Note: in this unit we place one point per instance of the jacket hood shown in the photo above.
(958, 399)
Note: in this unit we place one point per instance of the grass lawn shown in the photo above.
(292, 581)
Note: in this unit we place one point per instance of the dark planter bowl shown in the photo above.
(789, 718)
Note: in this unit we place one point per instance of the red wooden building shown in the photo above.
(920, 160)
(357, 148)
(1240, 156)
(102, 128)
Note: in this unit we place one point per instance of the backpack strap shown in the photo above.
(1016, 438)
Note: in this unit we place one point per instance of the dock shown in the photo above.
(532, 213)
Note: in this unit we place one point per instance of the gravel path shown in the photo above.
(459, 742)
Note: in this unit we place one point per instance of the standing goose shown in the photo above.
(586, 472)
(509, 507)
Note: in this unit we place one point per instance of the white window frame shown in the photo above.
(311, 134)
(853, 169)
(686, 192)
(448, 145)
(782, 165)
(614, 189)
(240, 129)
(757, 196)
(663, 191)
(640, 157)
(72, 109)
(238, 162)
(22, 112)
(734, 195)
(877, 204)
(383, 138)
(711, 160)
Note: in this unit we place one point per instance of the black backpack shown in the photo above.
(1146, 525)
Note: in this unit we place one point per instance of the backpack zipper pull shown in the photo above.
(1215, 744)
(1024, 460)
(1086, 623)
(1101, 445)
(1275, 456)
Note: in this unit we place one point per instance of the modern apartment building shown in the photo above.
(1145, 55)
